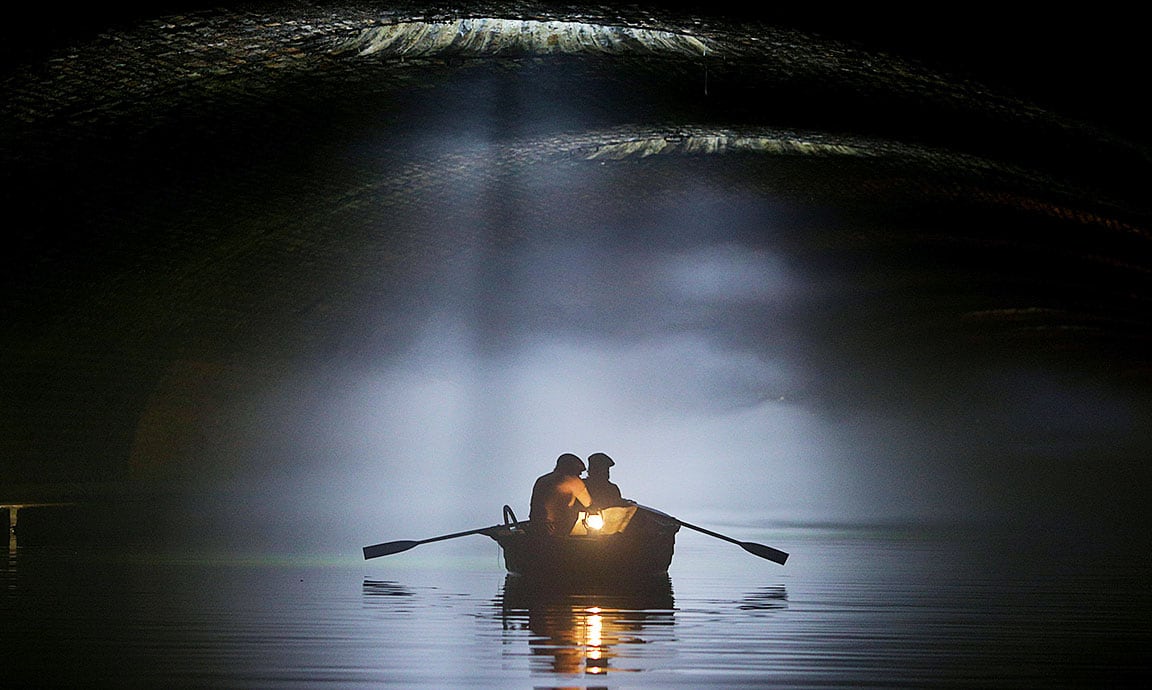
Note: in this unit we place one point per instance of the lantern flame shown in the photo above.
(594, 521)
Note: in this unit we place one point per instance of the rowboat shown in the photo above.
(624, 543)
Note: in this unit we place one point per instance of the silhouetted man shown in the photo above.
(604, 493)
(559, 496)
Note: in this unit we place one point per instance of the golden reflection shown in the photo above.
(595, 660)
(586, 632)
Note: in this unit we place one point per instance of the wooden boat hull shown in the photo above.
(643, 549)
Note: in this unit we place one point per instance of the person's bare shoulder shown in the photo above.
(572, 482)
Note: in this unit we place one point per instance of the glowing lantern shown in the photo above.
(594, 521)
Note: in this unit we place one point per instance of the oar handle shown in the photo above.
(685, 524)
(466, 533)
(393, 547)
(711, 533)
(765, 552)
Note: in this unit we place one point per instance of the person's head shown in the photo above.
(569, 464)
(598, 463)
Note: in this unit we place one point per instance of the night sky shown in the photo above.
(827, 268)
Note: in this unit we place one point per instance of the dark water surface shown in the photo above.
(862, 608)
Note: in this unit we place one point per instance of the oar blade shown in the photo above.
(389, 548)
(774, 555)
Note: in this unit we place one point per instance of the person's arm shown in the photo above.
(580, 492)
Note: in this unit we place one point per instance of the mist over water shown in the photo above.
(696, 338)
(294, 279)
(603, 350)
(713, 334)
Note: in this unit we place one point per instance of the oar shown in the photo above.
(391, 547)
(766, 552)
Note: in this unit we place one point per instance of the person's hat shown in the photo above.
(600, 459)
(570, 464)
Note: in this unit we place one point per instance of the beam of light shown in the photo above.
(673, 359)
(444, 444)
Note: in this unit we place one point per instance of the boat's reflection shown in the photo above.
(765, 599)
(581, 629)
(385, 588)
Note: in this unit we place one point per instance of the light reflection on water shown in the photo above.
(878, 609)
(587, 632)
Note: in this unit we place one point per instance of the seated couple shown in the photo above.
(560, 496)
